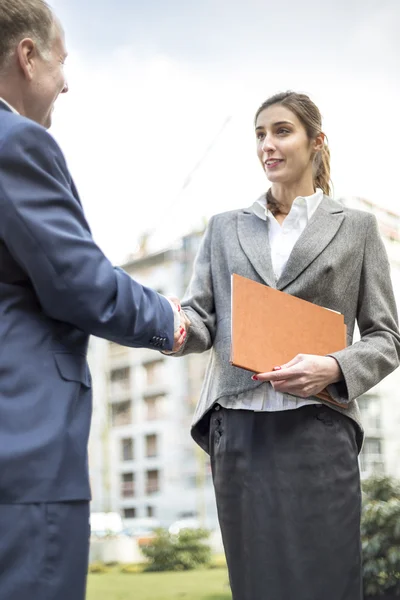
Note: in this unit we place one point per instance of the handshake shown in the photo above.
(182, 329)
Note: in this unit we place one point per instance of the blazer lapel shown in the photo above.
(253, 238)
(319, 232)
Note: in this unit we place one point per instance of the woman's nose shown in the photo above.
(267, 144)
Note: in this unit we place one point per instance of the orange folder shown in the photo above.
(270, 327)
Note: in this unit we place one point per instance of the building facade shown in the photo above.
(143, 461)
(380, 407)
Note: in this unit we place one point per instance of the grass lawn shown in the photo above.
(209, 584)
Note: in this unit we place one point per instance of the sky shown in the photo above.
(157, 126)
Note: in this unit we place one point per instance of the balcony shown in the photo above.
(371, 464)
(119, 384)
(152, 482)
(121, 414)
(154, 376)
(119, 390)
(152, 487)
(154, 407)
(128, 489)
(371, 457)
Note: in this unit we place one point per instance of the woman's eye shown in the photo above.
(260, 136)
(283, 131)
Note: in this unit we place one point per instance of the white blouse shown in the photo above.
(282, 239)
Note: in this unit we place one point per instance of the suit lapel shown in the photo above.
(319, 232)
(253, 238)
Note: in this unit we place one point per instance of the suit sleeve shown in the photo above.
(198, 301)
(365, 363)
(44, 228)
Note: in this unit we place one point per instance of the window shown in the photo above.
(154, 372)
(120, 374)
(154, 407)
(150, 512)
(151, 446)
(371, 458)
(127, 485)
(370, 408)
(121, 414)
(127, 449)
(152, 481)
(119, 382)
(129, 513)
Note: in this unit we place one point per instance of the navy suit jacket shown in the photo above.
(56, 288)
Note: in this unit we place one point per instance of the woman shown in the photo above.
(284, 464)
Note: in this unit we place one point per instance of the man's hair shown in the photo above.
(20, 19)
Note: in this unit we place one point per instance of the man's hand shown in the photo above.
(182, 329)
(304, 376)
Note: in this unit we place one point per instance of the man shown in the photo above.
(56, 288)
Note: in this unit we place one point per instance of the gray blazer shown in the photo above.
(338, 262)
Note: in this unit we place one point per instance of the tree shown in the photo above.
(380, 533)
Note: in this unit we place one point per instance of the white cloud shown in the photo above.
(133, 129)
(375, 45)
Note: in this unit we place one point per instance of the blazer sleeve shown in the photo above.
(44, 228)
(365, 363)
(198, 301)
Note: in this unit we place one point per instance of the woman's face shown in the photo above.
(283, 148)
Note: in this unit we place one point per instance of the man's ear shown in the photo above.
(27, 54)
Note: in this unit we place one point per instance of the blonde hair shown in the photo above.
(309, 115)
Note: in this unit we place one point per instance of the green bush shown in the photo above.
(218, 561)
(132, 568)
(380, 532)
(98, 567)
(186, 550)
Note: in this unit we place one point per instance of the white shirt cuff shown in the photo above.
(177, 318)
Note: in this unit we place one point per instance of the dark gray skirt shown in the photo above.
(288, 495)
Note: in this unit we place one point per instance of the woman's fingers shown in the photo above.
(291, 363)
(279, 374)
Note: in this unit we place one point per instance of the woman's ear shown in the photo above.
(319, 142)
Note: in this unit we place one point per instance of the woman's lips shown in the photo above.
(272, 163)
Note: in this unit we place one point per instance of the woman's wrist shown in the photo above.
(334, 371)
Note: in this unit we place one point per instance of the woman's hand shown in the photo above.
(304, 376)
